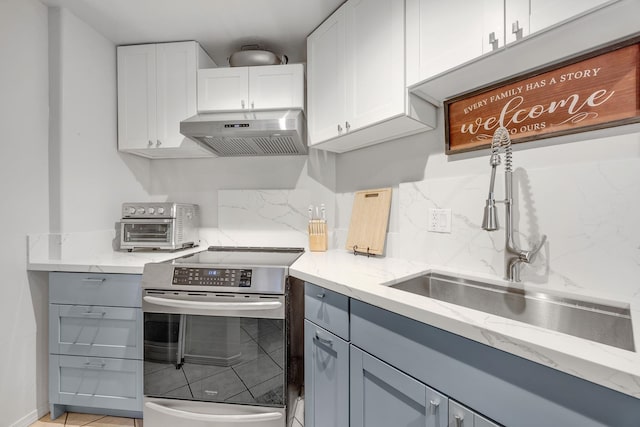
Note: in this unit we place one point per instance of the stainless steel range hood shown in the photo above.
(255, 133)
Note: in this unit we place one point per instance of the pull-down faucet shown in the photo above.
(490, 221)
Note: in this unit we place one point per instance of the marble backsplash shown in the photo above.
(588, 212)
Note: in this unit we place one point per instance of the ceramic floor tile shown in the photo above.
(270, 392)
(75, 419)
(218, 387)
(165, 380)
(299, 414)
(257, 371)
(112, 422)
(46, 421)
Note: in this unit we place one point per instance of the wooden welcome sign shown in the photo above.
(597, 90)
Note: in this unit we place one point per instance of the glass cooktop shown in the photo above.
(242, 256)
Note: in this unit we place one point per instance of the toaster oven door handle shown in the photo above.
(211, 305)
(219, 418)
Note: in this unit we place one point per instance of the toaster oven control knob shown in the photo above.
(151, 211)
(140, 211)
(160, 211)
(131, 210)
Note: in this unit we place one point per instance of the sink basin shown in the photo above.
(606, 324)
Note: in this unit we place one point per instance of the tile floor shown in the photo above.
(72, 419)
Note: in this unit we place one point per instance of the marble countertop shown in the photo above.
(368, 280)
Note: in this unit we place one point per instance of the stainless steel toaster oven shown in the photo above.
(159, 226)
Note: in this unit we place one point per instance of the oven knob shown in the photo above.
(160, 211)
(151, 211)
(140, 211)
(131, 210)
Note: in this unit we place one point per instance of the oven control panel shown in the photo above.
(197, 276)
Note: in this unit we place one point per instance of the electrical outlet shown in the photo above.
(439, 220)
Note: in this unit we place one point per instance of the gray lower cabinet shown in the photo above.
(95, 344)
(326, 378)
(403, 373)
(326, 360)
(382, 396)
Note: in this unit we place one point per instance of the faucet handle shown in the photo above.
(530, 256)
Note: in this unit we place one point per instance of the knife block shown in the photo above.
(317, 235)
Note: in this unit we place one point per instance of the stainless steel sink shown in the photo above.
(601, 323)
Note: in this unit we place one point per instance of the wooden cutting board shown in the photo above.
(369, 220)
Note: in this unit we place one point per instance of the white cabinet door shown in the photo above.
(176, 91)
(223, 89)
(516, 19)
(453, 32)
(326, 89)
(545, 13)
(276, 86)
(375, 61)
(136, 96)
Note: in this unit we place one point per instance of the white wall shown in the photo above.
(24, 192)
(582, 191)
(89, 176)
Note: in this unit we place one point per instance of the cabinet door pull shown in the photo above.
(95, 365)
(324, 340)
(150, 144)
(459, 421)
(242, 103)
(339, 129)
(493, 41)
(94, 281)
(347, 126)
(517, 30)
(158, 143)
(320, 295)
(94, 313)
(434, 406)
(252, 107)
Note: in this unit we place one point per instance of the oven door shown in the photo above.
(224, 348)
(147, 233)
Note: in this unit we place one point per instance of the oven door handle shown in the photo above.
(177, 303)
(231, 418)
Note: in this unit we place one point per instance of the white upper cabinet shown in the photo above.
(545, 13)
(375, 82)
(223, 89)
(157, 90)
(453, 32)
(266, 87)
(326, 84)
(356, 83)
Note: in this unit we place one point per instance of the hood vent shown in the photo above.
(257, 133)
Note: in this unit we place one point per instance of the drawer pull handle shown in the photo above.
(225, 419)
(95, 313)
(320, 295)
(434, 406)
(459, 421)
(93, 281)
(95, 365)
(324, 340)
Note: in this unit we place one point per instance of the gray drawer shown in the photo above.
(119, 290)
(85, 330)
(327, 309)
(97, 382)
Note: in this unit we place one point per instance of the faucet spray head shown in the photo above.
(490, 218)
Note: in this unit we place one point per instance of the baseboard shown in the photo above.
(27, 420)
